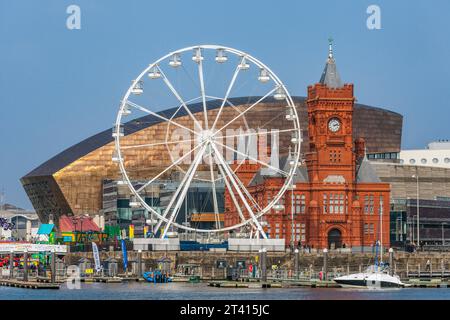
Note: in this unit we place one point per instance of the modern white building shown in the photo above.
(26, 223)
(437, 154)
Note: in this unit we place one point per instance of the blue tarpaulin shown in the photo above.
(46, 229)
(125, 255)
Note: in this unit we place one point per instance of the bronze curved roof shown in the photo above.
(96, 141)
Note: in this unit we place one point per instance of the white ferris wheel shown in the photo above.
(199, 125)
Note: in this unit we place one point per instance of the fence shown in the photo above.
(102, 246)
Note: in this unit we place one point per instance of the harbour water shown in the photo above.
(201, 291)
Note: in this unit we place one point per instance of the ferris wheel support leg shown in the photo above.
(214, 194)
(230, 175)
(174, 197)
(185, 190)
(247, 193)
(233, 197)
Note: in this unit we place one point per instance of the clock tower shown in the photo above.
(330, 116)
(335, 170)
(338, 200)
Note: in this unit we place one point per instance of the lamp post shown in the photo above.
(443, 236)
(417, 203)
(292, 215)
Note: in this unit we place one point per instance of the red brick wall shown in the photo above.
(331, 154)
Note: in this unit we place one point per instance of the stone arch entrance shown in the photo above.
(334, 239)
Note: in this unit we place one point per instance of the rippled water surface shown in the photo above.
(147, 291)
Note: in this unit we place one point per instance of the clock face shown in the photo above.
(334, 125)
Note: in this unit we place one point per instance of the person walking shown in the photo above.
(428, 265)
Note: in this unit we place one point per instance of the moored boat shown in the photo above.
(373, 277)
(156, 277)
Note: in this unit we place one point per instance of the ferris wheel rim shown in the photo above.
(291, 172)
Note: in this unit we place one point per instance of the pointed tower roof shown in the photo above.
(366, 173)
(330, 76)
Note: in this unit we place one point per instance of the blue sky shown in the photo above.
(59, 86)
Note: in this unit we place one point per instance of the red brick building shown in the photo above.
(338, 200)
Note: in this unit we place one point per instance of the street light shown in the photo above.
(292, 187)
(417, 202)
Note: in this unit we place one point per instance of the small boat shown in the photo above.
(372, 278)
(156, 277)
(377, 275)
(194, 279)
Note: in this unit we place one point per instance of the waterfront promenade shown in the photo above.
(236, 269)
(281, 263)
(201, 291)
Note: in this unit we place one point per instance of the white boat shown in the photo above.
(373, 277)
(376, 276)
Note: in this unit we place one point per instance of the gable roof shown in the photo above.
(45, 229)
(77, 223)
(366, 173)
(301, 174)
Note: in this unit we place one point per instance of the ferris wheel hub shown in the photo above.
(206, 136)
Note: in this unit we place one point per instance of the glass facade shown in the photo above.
(383, 155)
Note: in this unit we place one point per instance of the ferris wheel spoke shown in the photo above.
(134, 105)
(214, 194)
(249, 196)
(202, 89)
(156, 144)
(236, 186)
(247, 193)
(183, 192)
(177, 95)
(257, 133)
(231, 191)
(282, 172)
(230, 86)
(246, 110)
(168, 168)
